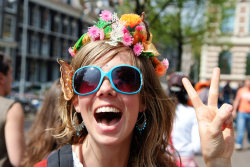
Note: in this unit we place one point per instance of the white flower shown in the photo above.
(117, 31)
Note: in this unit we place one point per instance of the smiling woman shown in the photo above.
(114, 111)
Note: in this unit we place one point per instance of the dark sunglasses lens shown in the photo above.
(126, 79)
(87, 79)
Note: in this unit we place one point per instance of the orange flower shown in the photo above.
(155, 61)
(139, 36)
(131, 19)
(160, 70)
(86, 39)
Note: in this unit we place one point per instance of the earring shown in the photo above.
(78, 127)
(141, 126)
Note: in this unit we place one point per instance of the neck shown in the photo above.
(98, 155)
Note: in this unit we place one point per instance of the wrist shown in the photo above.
(219, 162)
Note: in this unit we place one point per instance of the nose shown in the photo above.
(106, 89)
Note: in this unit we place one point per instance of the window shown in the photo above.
(74, 29)
(66, 26)
(225, 61)
(248, 64)
(10, 5)
(35, 16)
(56, 48)
(46, 19)
(20, 38)
(9, 27)
(31, 67)
(34, 45)
(65, 48)
(45, 46)
(21, 14)
(56, 26)
(227, 24)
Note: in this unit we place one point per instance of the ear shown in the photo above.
(76, 104)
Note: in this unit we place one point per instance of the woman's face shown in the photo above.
(109, 116)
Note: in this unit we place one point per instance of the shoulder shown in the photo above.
(61, 156)
(15, 111)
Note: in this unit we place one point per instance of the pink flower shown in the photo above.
(127, 39)
(106, 15)
(138, 48)
(101, 34)
(165, 62)
(94, 32)
(71, 52)
(139, 28)
(125, 30)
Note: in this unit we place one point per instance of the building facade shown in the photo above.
(230, 48)
(35, 33)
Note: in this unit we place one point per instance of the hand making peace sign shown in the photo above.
(215, 124)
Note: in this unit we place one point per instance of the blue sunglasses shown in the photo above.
(124, 79)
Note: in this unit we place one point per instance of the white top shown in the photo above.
(185, 134)
(76, 160)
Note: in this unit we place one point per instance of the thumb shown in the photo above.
(223, 115)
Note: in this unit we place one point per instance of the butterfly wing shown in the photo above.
(66, 79)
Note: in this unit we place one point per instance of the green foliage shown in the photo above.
(105, 25)
(175, 23)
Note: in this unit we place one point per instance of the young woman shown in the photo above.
(40, 141)
(114, 109)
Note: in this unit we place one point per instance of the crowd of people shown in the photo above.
(109, 108)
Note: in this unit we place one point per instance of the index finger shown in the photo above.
(194, 97)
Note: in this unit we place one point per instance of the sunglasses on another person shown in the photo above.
(124, 79)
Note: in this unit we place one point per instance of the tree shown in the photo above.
(175, 23)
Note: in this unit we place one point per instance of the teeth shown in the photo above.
(107, 109)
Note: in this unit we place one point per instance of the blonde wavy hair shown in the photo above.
(150, 148)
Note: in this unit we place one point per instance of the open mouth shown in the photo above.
(108, 115)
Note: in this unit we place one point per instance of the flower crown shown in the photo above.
(130, 29)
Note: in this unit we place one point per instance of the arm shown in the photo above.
(215, 125)
(236, 104)
(14, 134)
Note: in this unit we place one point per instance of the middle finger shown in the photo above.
(214, 88)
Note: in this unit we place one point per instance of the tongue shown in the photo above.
(109, 122)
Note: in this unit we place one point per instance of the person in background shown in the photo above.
(202, 89)
(11, 119)
(114, 108)
(40, 141)
(185, 133)
(242, 103)
(227, 93)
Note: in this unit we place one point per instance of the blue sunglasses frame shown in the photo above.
(108, 74)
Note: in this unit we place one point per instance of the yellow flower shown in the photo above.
(86, 39)
(131, 19)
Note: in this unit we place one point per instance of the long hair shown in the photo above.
(5, 63)
(40, 140)
(150, 147)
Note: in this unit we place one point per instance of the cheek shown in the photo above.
(84, 103)
(132, 103)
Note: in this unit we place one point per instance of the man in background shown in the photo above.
(11, 119)
(242, 104)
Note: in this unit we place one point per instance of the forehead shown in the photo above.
(112, 59)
